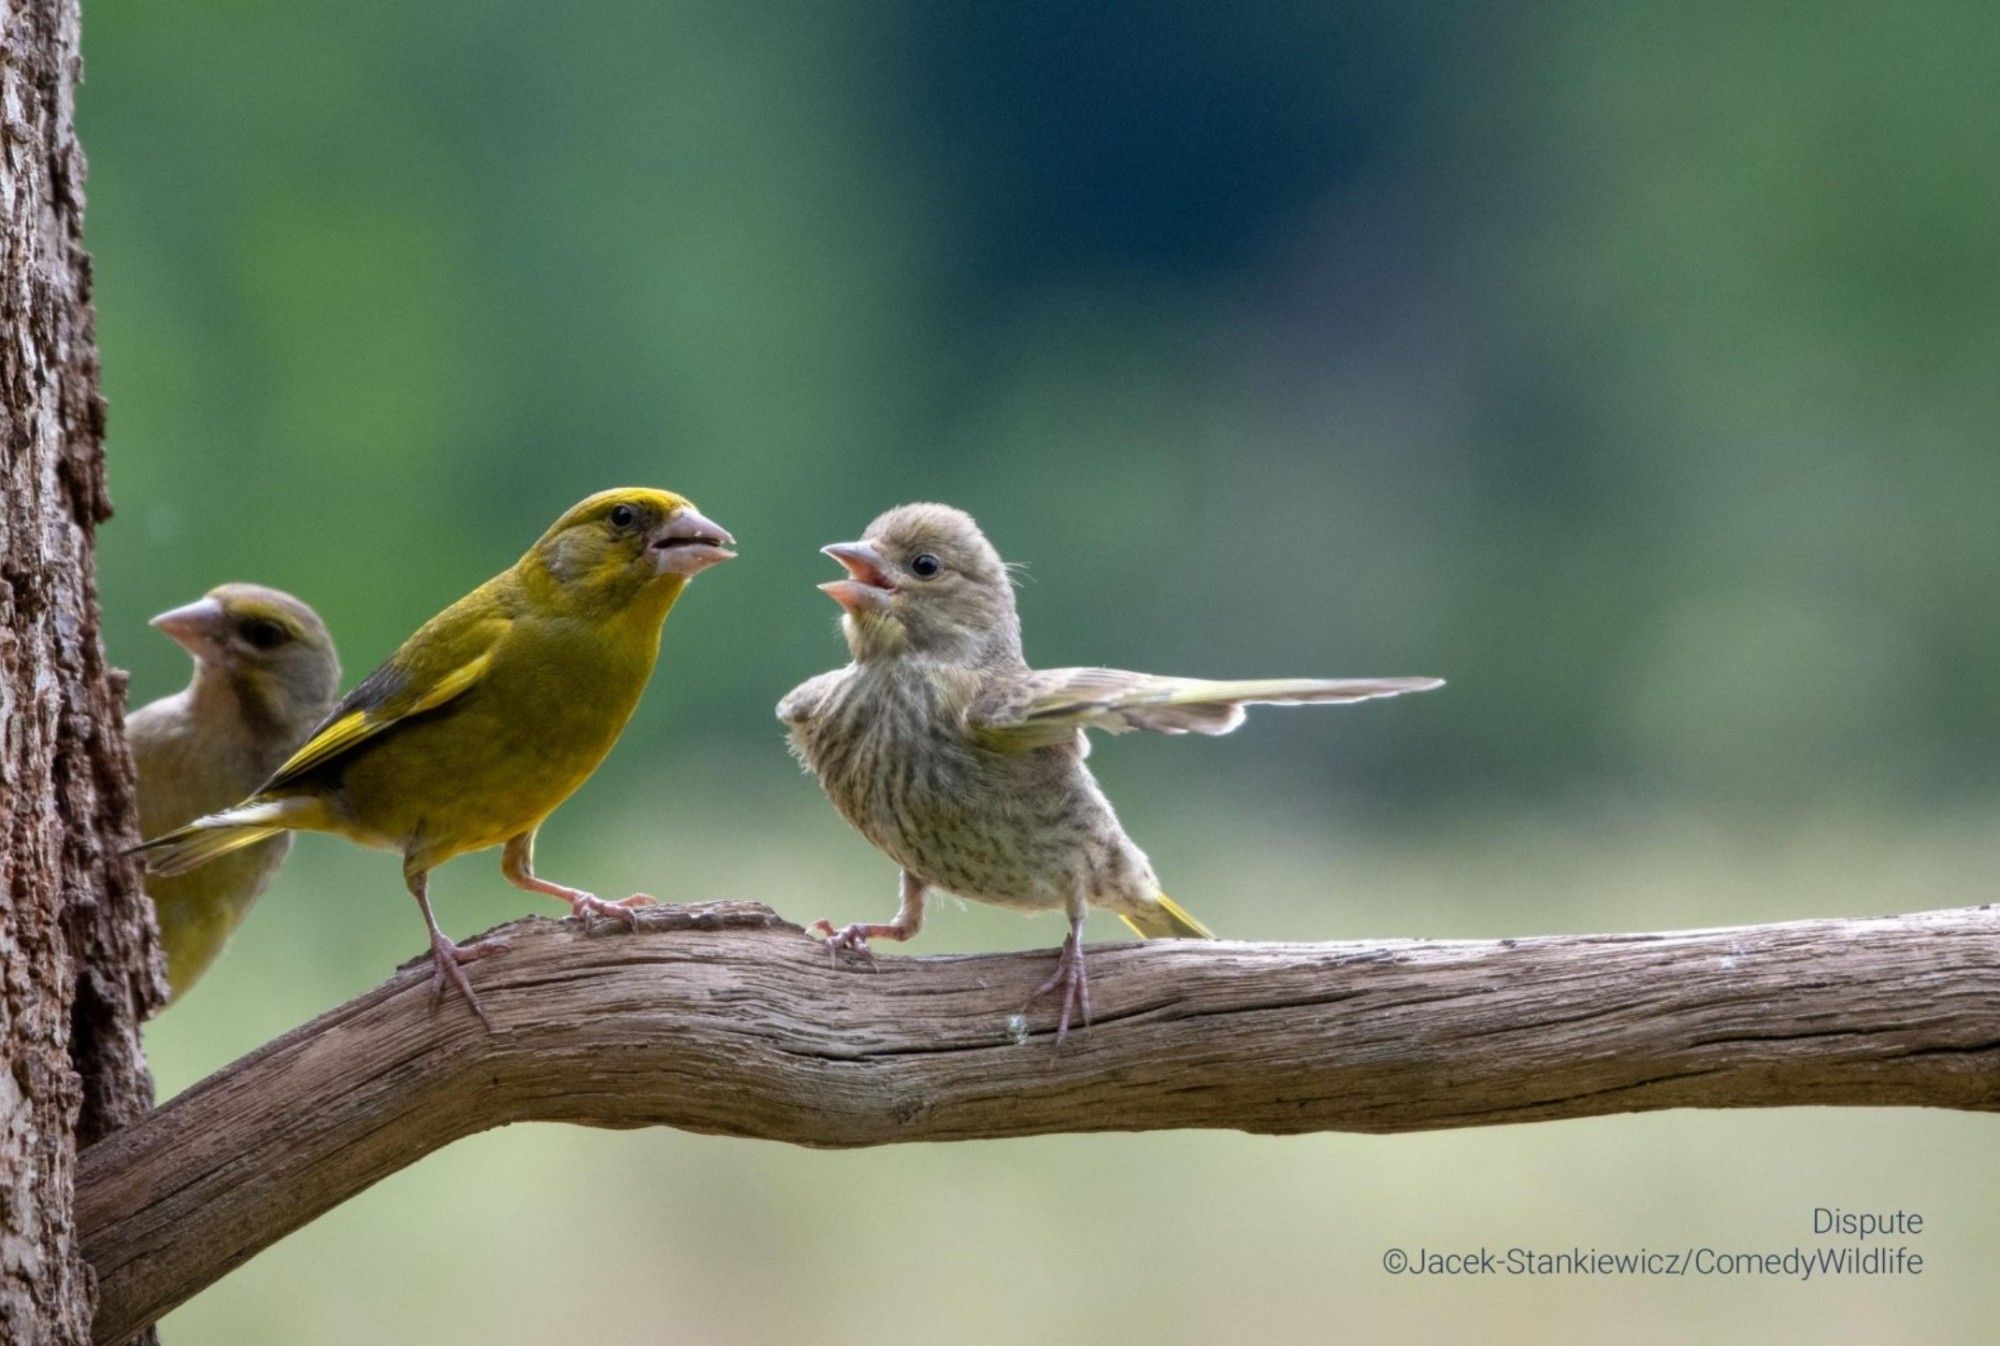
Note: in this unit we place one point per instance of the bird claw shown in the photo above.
(447, 966)
(1072, 983)
(853, 938)
(585, 905)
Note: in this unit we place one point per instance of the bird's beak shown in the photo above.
(867, 587)
(196, 627)
(687, 544)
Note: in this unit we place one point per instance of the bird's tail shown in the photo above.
(218, 834)
(1166, 919)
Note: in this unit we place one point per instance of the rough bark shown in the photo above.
(725, 1019)
(77, 964)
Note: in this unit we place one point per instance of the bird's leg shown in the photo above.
(854, 938)
(447, 956)
(1069, 980)
(517, 862)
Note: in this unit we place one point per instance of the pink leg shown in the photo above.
(1069, 981)
(854, 938)
(517, 862)
(447, 957)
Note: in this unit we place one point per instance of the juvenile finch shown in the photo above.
(265, 673)
(966, 766)
(489, 716)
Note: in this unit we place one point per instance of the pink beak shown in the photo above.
(687, 544)
(196, 627)
(867, 587)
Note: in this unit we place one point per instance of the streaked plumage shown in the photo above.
(490, 715)
(966, 766)
(265, 672)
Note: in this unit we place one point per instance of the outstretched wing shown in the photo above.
(1036, 710)
(461, 650)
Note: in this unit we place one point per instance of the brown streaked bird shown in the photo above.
(265, 673)
(966, 767)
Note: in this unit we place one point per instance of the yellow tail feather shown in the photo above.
(196, 844)
(1167, 920)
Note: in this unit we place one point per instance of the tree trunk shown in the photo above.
(78, 965)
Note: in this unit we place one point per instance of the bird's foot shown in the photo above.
(852, 938)
(1071, 983)
(447, 961)
(583, 906)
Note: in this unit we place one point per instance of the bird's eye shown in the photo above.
(264, 634)
(926, 566)
(622, 516)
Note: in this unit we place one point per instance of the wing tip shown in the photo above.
(1397, 686)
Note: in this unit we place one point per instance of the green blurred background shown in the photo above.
(1634, 367)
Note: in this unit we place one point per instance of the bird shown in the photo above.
(942, 746)
(489, 717)
(265, 672)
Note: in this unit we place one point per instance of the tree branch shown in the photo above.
(725, 1019)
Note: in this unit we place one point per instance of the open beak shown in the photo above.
(196, 627)
(687, 544)
(867, 587)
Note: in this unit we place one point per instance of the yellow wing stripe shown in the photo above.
(349, 729)
(358, 726)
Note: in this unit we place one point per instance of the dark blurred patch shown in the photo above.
(1174, 137)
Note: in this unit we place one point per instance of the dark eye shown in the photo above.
(926, 566)
(622, 516)
(264, 634)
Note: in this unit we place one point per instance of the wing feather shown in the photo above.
(1040, 709)
(803, 701)
(390, 694)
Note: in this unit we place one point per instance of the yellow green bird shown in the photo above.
(942, 746)
(265, 673)
(489, 716)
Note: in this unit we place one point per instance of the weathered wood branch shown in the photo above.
(725, 1019)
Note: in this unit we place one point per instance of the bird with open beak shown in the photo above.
(265, 673)
(489, 716)
(966, 766)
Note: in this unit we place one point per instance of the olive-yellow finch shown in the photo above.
(489, 716)
(265, 673)
(943, 747)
